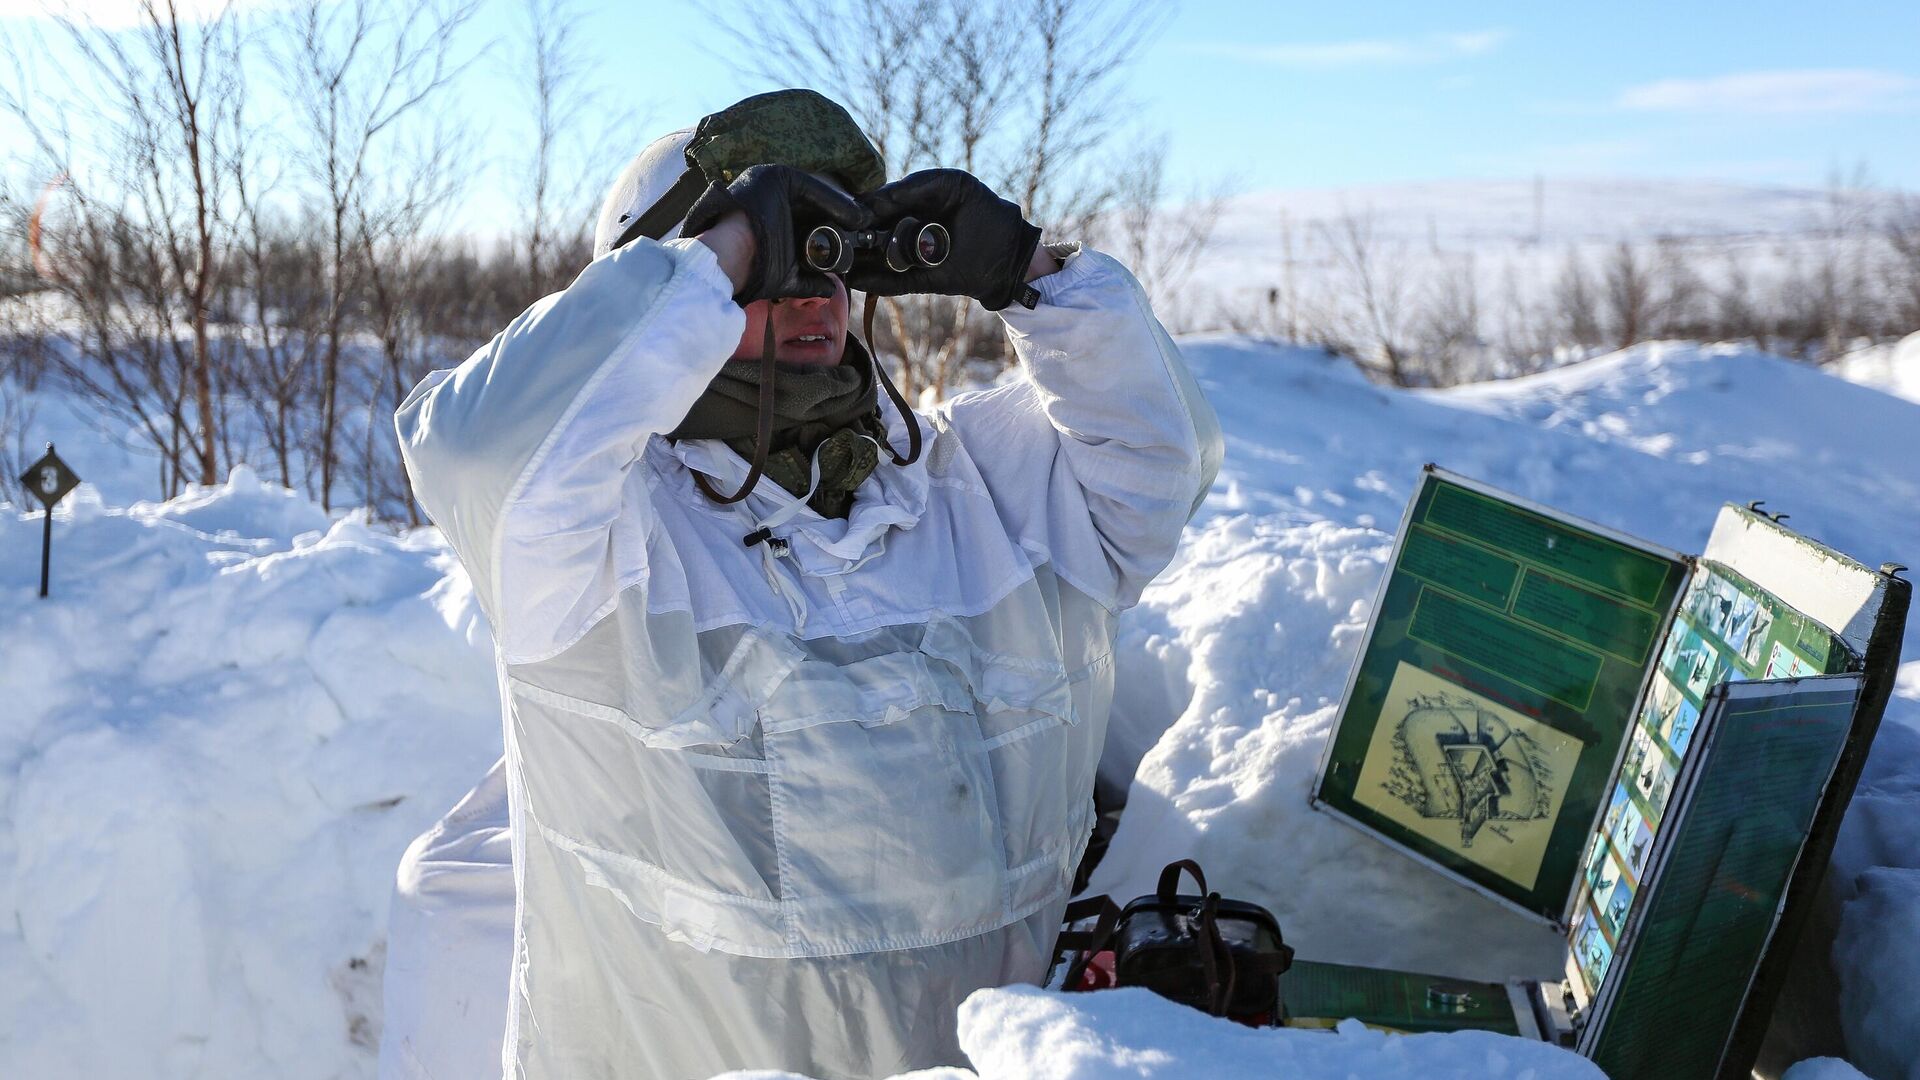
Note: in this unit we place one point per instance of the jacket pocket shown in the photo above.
(662, 683)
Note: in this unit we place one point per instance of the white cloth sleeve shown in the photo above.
(521, 453)
(1100, 452)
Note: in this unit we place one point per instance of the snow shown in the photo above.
(1825, 1068)
(1131, 1032)
(1021, 1032)
(1878, 947)
(1893, 367)
(221, 731)
(218, 735)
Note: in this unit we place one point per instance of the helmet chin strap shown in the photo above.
(763, 420)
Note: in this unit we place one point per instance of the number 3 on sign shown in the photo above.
(49, 479)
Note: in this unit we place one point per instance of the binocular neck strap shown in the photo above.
(762, 429)
(893, 392)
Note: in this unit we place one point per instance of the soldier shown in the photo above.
(791, 767)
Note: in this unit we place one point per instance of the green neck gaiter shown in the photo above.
(813, 405)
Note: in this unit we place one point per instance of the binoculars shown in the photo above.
(907, 245)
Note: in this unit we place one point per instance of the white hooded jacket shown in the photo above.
(783, 806)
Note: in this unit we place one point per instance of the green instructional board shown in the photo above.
(1717, 885)
(1727, 630)
(1489, 705)
(1649, 750)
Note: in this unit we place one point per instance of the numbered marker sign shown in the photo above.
(49, 479)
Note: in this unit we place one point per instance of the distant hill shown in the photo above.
(1488, 255)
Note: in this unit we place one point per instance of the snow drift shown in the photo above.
(221, 731)
(216, 738)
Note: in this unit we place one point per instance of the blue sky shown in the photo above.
(1293, 94)
(1274, 95)
(1367, 93)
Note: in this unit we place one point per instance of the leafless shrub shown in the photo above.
(1736, 302)
(1370, 315)
(1446, 326)
(1900, 230)
(1848, 275)
(1627, 289)
(1680, 304)
(1576, 303)
(1525, 337)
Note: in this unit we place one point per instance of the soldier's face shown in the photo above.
(806, 330)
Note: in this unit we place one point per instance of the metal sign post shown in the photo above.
(49, 480)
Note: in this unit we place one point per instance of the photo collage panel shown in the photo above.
(1721, 633)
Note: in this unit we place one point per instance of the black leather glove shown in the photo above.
(992, 241)
(779, 203)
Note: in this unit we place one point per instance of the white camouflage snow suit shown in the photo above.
(785, 805)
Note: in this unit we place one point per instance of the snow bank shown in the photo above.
(1825, 1068)
(220, 733)
(1893, 367)
(1019, 1033)
(217, 736)
(1877, 952)
(1022, 1032)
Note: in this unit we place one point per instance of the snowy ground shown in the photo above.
(221, 731)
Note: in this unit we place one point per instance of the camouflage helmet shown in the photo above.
(801, 128)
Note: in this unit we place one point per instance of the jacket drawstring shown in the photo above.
(790, 592)
(773, 547)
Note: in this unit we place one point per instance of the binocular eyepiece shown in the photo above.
(907, 245)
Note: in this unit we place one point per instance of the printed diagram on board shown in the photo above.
(1461, 762)
(1467, 772)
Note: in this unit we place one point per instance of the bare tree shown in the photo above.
(356, 69)
(166, 108)
(395, 227)
(1161, 243)
(23, 346)
(1524, 334)
(277, 300)
(1080, 47)
(137, 256)
(570, 149)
